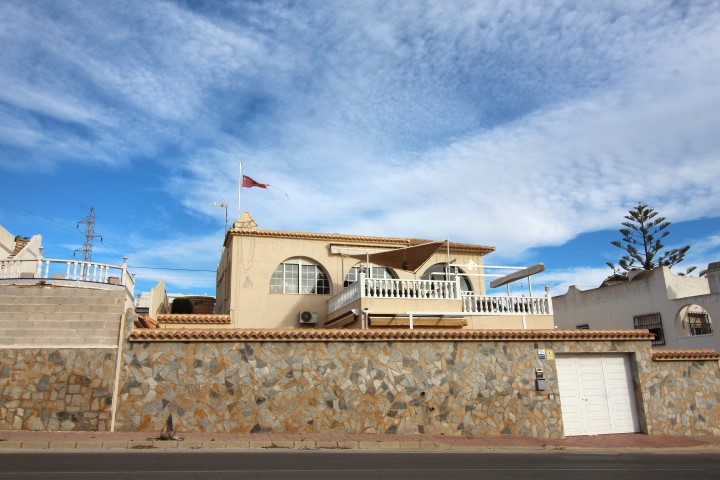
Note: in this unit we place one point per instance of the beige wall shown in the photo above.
(158, 300)
(613, 307)
(253, 259)
(7, 243)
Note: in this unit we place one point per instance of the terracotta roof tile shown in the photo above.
(684, 355)
(145, 321)
(348, 335)
(20, 243)
(394, 241)
(194, 318)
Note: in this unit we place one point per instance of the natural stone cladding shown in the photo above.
(349, 387)
(391, 382)
(56, 389)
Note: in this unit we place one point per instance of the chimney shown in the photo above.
(713, 276)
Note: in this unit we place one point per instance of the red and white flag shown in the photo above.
(248, 182)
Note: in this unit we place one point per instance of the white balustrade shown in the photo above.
(69, 270)
(507, 305)
(395, 288)
(345, 297)
(10, 268)
(411, 289)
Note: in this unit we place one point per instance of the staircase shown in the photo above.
(37, 316)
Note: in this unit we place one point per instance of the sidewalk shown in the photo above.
(144, 440)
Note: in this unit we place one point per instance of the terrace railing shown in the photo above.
(507, 305)
(396, 289)
(77, 270)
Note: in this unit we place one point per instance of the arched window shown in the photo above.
(441, 271)
(375, 272)
(299, 275)
(695, 320)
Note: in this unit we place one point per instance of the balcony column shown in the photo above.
(363, 285)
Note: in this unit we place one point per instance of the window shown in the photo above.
(441, 271)
(298, 275)
(583, 326)
(375, 272)
(699, 323)
(652, 322)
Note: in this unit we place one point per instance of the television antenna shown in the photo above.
(224, 205)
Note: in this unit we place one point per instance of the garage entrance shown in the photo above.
(596, 394)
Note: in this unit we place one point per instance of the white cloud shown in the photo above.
(584, 278)
(497, 123)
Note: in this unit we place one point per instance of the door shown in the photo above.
(596, 394)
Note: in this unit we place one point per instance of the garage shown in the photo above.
(596, 394)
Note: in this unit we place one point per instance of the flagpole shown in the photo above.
(240, 183)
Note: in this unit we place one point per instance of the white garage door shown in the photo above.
(596, 394)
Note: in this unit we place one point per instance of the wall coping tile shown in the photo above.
(356, 335)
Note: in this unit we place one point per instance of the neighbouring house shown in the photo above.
(678, 309)
(280, 279)
(201, 304)
(19, 255)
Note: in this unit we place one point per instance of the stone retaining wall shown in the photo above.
(56, 389)
(480, 385)
(434, 387)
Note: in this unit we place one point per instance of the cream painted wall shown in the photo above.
(252, 260)
(7, 243)
(613, 307)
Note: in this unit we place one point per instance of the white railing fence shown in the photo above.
(507, 305)
(395, 288)
(346, 296)
(69, 270)
(411, 289)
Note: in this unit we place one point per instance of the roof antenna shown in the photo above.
(222, 204)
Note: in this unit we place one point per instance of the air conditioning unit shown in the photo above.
(308, 318)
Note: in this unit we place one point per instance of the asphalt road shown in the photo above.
(293, 464)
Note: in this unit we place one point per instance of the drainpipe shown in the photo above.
(366, 319)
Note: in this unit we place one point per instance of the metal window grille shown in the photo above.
(583, 326)
(699, 323)
(652, 322)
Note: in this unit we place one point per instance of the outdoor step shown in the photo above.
(61, 300)
(61, 309)
(51, 324)
(47, 291)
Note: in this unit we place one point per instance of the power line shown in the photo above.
(171, 269)
(37, 216)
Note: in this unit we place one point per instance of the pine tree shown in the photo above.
(643, 233)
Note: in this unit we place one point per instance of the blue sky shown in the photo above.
(530, 126)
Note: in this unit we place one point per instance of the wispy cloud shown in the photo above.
(516, 125)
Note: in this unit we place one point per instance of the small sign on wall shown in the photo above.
(544, 354)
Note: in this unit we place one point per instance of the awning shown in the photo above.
(520, 274)
(409, 258)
